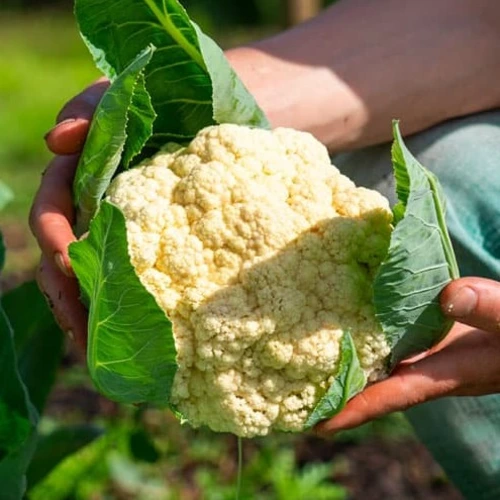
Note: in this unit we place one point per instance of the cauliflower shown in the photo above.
(262, 255)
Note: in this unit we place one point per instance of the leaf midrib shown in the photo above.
(176, 34)
(97, 292)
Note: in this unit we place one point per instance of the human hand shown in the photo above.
(52, 214)
(465, 363)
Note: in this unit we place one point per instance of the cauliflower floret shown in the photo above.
(262, 255)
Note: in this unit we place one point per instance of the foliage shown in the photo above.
(43, 64)
(30, 353)
(350, 380)
(136, 365)
(203, 89)
(143, 354)
(146, 456)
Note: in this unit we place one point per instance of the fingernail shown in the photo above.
(70, 334)
(67, 120)
(64, 122)
(61, 264)
(462, 302)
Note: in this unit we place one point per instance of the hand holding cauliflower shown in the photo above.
(262, 255)
(239, 280)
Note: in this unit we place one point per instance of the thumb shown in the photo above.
(473, 301)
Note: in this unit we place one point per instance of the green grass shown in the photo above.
(43, 64)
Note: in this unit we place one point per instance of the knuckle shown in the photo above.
(84, 104)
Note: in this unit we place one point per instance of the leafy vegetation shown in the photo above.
(85, 446)
(141, 45)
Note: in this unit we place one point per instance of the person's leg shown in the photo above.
(463, 434)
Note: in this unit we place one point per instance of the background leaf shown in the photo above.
(62, 480)
(420, 260)
(37, 338)
(131, 350)
(2, 253)
(142, 446)
(6, 195)
(18, 417)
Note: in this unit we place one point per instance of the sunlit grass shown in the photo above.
(43, 64)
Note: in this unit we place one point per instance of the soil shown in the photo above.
(378, 469)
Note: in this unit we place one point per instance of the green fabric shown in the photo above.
(463, 434)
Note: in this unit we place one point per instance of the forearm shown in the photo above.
(345, 75)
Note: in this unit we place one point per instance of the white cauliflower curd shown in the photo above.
(262, 255)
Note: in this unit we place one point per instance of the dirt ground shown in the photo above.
(378, 469)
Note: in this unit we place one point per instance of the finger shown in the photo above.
(73, 122)
(410, 385)
(474, 301)
(68, 137)
(63, 296)
(52, 214)
(448, 371)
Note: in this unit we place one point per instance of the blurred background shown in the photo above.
(146, 454)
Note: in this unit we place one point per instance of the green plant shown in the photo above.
(133, 355)
(30, 352)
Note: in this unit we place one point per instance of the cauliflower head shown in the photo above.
(262, 255)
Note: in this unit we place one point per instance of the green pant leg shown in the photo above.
(463, 434)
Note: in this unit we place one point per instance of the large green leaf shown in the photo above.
(124, 107)
(420, 261)
(188, 85)
(13, 468)
(131, 351)
(186, 76)
(349, 380)
(17, 420)
(18, 417)
(38, 340)
(231, 101)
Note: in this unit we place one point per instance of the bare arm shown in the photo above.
(347, 73)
